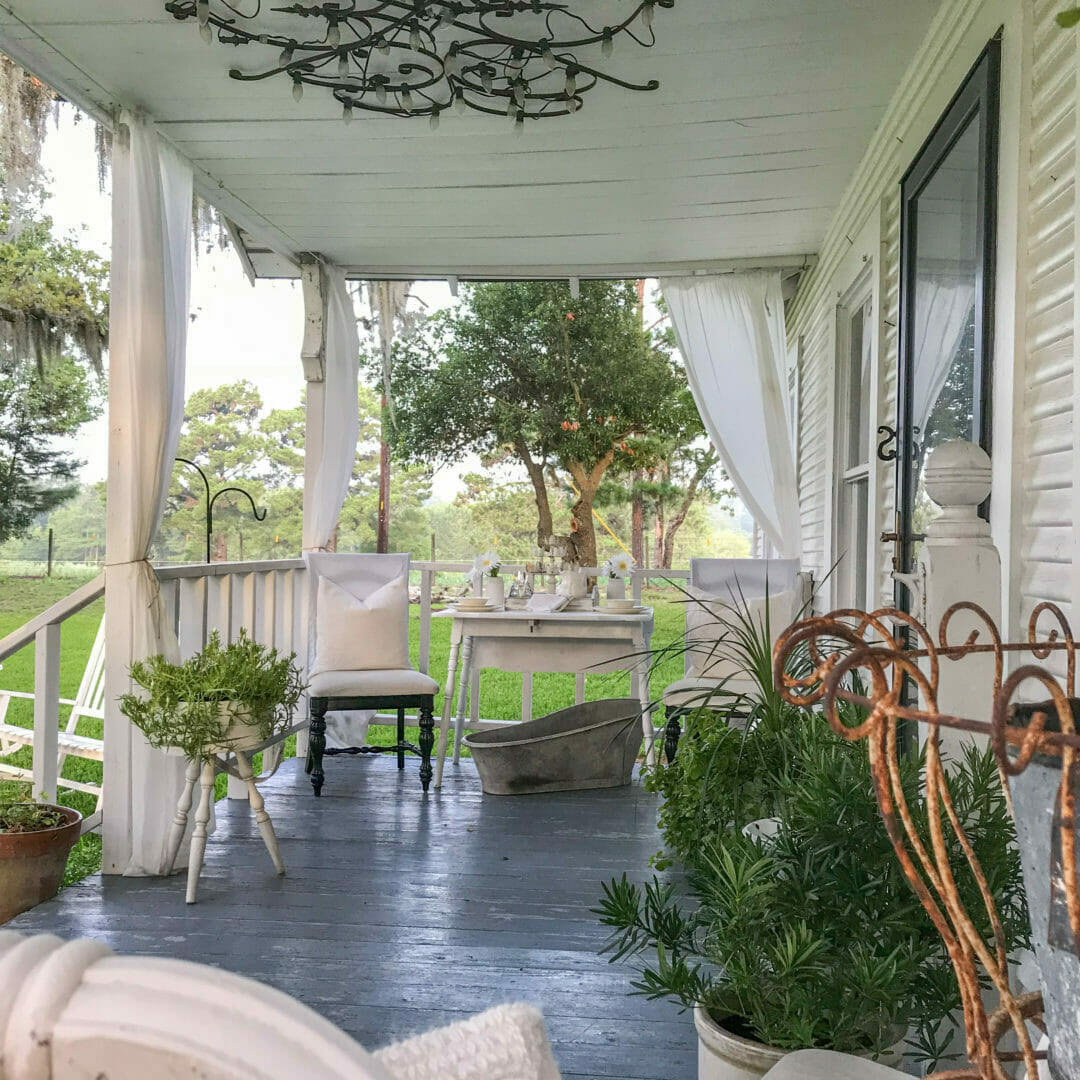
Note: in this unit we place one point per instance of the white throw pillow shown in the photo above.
(362, 635)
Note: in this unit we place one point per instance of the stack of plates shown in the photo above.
(475, 603)
(621, 607)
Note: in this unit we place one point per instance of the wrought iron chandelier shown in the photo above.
(411, 58)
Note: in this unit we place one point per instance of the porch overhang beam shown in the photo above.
(267, 264)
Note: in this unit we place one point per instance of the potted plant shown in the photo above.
(230, 697)
(812, 938)
(35, 841)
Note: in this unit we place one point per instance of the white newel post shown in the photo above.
(959, 562)
(150, 284)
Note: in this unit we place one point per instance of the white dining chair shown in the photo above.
(358, 654)
(767, 591)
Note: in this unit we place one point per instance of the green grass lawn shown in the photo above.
(500, 692)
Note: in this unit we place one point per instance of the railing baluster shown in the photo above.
(46, 711)
(427, 582)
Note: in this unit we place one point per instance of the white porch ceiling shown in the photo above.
(764, 109)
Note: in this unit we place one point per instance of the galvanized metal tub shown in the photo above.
(591, 745)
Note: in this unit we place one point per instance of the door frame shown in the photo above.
(979, 94)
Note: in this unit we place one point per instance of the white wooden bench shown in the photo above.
(88, 703)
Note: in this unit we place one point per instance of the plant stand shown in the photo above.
(205, 772)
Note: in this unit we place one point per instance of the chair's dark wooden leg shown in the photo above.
(400, 736)
(427, 740)
(317, 743)
(672, 732)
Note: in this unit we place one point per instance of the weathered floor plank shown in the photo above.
(400, 913)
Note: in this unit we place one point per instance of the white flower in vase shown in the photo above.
(617, 569)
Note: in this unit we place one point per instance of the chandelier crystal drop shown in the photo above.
(532, 59)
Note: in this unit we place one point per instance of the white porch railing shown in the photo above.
(268, 599)
(44, 632)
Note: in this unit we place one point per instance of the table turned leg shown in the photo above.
(427, 740)
(466, 676)
(448, 703)
(258, 808)
(317, 743)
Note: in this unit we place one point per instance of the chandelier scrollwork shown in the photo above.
(524, 59)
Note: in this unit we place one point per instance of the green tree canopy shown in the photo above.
(37, 408)
(558, 382)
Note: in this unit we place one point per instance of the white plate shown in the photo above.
(623, 610)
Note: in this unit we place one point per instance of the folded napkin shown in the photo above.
(546, 602)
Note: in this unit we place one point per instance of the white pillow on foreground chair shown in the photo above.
(75, 1011)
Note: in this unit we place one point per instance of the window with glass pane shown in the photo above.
(854, 417)
(947, 259)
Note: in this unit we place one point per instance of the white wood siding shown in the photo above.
(1048, 461)
(815, 442)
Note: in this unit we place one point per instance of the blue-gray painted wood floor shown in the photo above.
(400, 913)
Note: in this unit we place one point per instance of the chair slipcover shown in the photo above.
(360, 575)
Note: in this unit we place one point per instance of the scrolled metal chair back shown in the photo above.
(889, 665)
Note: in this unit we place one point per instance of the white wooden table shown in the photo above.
(532, 641)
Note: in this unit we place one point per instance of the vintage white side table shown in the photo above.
(577, 642)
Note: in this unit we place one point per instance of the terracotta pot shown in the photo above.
(723, 1056)
(32, 864)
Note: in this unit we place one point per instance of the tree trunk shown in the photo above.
(221, 547)
(658, 536)
(588, 483)
(637, 520)
(544, 523)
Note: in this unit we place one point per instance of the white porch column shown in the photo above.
(313, 357)
(959, 561)
(150, 286)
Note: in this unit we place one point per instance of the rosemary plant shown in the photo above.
(182, 707)
(20, 814)
(811, 938)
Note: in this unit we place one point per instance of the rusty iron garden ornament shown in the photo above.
(896, 659)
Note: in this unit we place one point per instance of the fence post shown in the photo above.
(48, 569)
(427, 582)
(46, 711)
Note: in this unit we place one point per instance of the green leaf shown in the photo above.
(1068, 18)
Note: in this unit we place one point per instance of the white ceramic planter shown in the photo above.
(495, 591)
(723, 1056)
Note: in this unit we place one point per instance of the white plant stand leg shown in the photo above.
(466, 676)
(179, 825)
(198, 837)
(258, 806)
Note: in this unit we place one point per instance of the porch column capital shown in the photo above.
(313, 349)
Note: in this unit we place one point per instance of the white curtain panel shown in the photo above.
(730, 330)
(150, 290)
(942, 313)
(341, 414)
